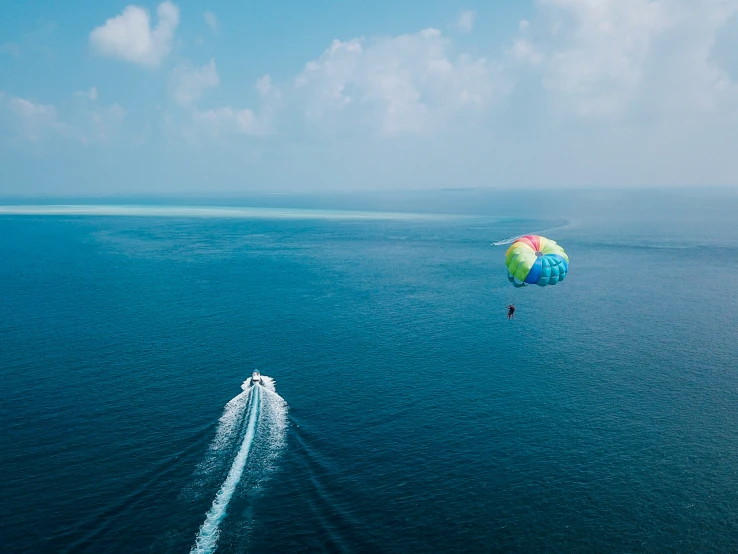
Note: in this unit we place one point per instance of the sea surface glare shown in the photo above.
(401, 411)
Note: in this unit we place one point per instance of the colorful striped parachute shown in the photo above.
(536, 260)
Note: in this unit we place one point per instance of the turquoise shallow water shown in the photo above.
(603, 418)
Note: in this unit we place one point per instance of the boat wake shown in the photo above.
(250, 433)
(510, 240)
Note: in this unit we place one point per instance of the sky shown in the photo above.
(107, 97)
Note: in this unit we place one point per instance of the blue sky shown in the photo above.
(209, 97)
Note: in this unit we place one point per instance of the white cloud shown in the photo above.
(30, 110)
(131, 38)
(228, 121)
(523, 50)
(607, 92)
(404, 84)
(35, 122)
(211, 21)
(188, 83)
(600, 62)
(465, 22)
(90, 94)
(264, 85)
(684, 70)
(225, 121)
(599, 58)
(99, 125)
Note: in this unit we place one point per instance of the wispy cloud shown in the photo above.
(226, 120)
(89, 94)
(35, 122)
(211, 21)
(465, 21)
(264, 85)
(189, 83)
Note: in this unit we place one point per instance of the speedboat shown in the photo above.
(256, 378)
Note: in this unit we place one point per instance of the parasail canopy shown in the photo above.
(536, 260)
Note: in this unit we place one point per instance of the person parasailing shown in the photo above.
(535, 260)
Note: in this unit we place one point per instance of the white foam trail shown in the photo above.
(207, 538)
(224, 441)
(271, 433)
(506, 241)
(268, 383)
(228, 422)
(263, 442)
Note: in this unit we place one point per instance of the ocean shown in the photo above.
(401, 410)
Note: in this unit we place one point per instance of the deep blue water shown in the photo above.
(603, 418)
